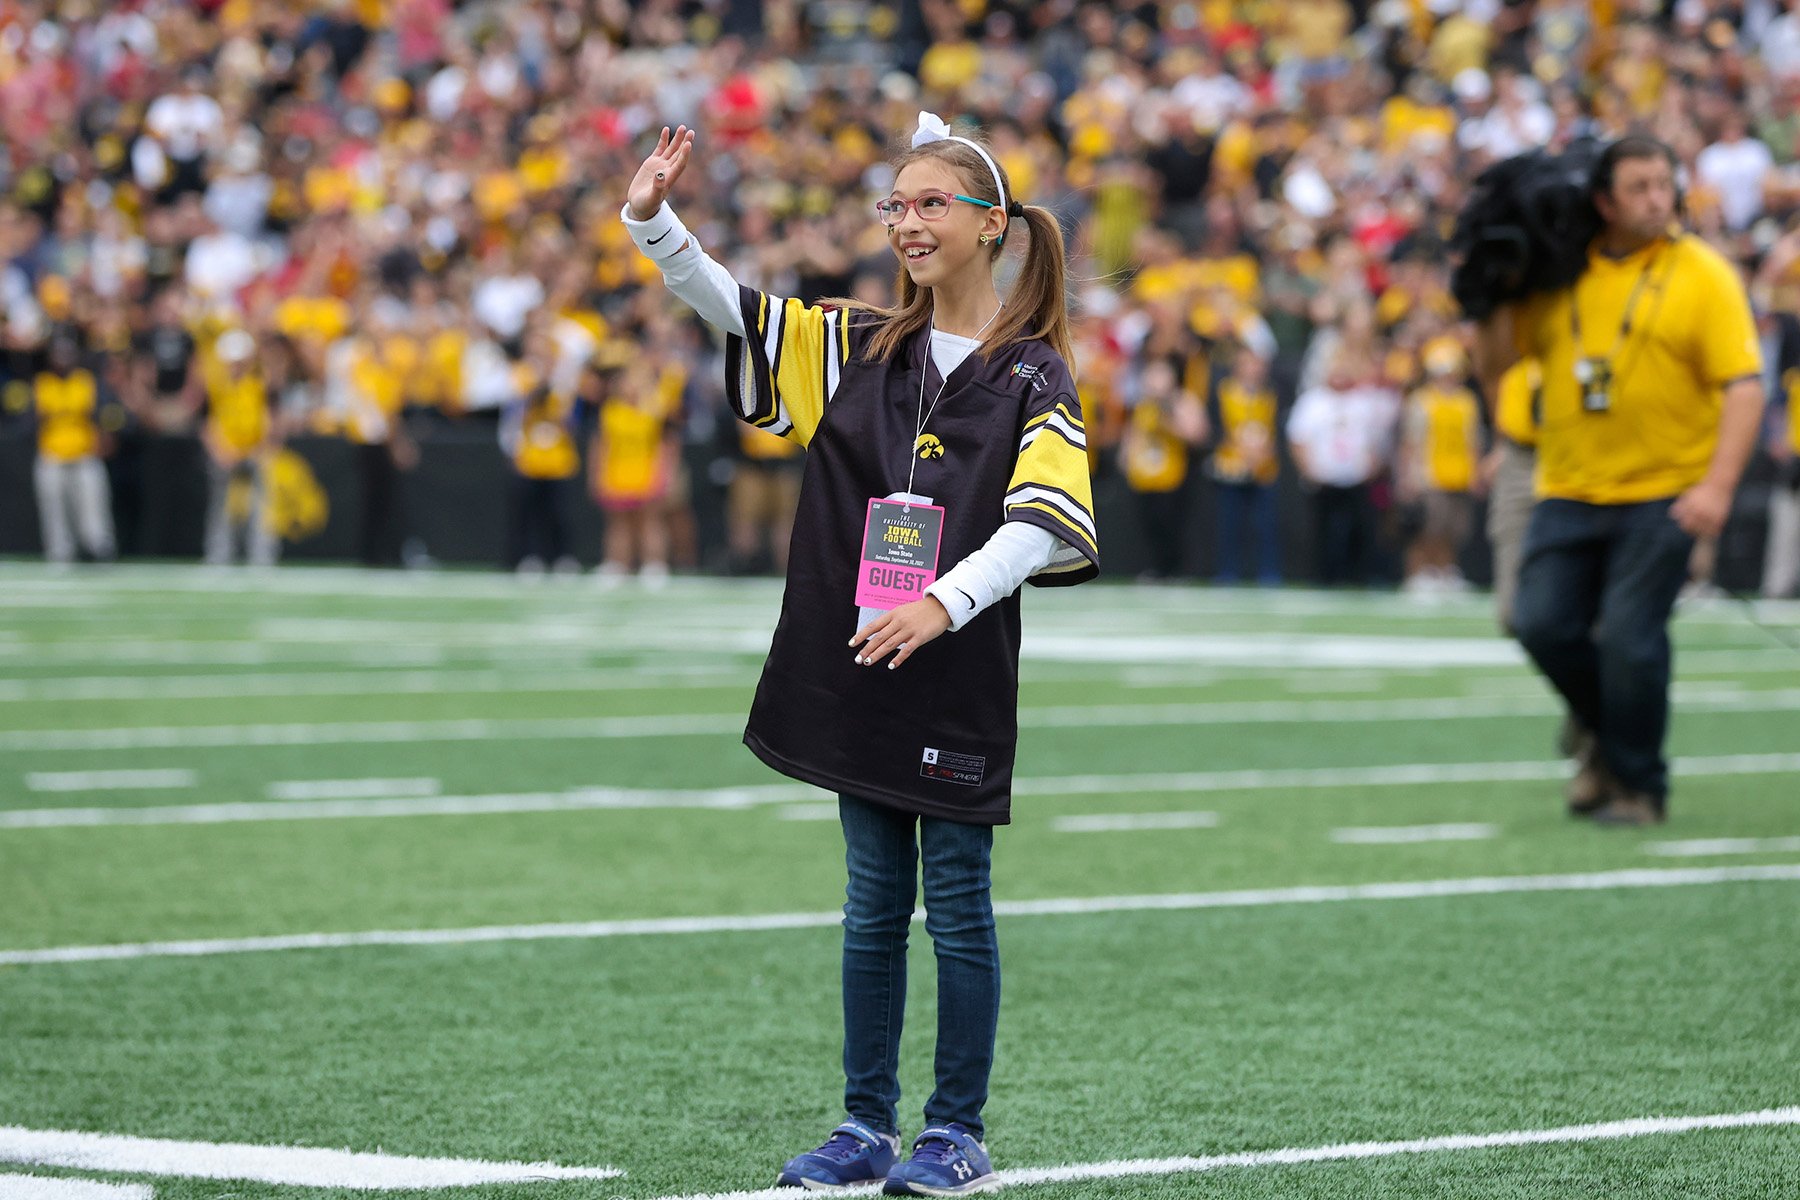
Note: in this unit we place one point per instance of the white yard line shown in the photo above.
(24, 580)
(821, 811)
(1341, 1152)
(728, 599)
(278, 639)
(1124, 822)
(110, 781)
(301, 1166)
(351, 789)
(1253, 898)
(363, 683)
(1355, 679)
(425, 937)
(1389, 835)
(1436, 708)
(1424, 889)
(1702, 847)
(159, 652)
(1285, 650)
(47, 1187)
(425, 654)
(750, 796)
(59, 604)
(696, 724)
(1382, 776)
(474, 729)
(430, 586)
(1268, 778)
(573, 800)
(1738, 661)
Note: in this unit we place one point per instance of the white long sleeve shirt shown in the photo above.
(1017, 549)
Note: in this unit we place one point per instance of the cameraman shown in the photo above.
(1652, 401)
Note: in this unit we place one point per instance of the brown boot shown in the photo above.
(1593, 785)
(1631, 809)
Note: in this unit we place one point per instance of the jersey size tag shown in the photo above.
(966, 769)
(900, 553)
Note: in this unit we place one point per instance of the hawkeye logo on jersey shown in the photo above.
(929, 447)
(1034, 374)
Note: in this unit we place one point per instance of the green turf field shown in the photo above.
(231, 758)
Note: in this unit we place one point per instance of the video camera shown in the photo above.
(1526, 227)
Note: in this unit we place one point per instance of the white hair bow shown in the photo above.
(932, 128)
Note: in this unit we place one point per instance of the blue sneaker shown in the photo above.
(853, 1154)
(946, 1161)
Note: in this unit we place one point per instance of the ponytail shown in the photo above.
(1038, 307)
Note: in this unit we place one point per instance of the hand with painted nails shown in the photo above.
(654, 180)
(903, 629)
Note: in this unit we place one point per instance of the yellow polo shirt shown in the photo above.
(1793, 418)
(440, 380)
(546, 448)
(1446, 425)
(1247, 426)
(1790, 383)
(1515, 411)
(237, 410)
(66, 405)
(1156, 459)
(1691, 334)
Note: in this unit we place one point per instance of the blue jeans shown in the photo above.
(882, 849)
(1251, 504)
(1596, 587)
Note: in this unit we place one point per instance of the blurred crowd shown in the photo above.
(394, 220)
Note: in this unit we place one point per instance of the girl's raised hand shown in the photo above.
(650, 187)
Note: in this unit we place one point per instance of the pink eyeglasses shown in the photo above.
(931, 206)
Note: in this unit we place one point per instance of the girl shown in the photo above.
(943, 431)
(633, 463)
(1245, 466)
(1167, 423)
(537, 433)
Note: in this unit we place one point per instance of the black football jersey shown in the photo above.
(936, 737)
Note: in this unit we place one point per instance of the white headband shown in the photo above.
(932, 129)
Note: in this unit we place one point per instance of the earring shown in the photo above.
(983, 239)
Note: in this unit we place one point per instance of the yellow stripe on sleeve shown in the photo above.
(799, 369)
(1053, 462)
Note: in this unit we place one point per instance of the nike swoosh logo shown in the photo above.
(967, 597)
(654, 240)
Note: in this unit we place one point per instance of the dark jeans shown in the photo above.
(1596, 588)
(1248, 508)
(1163, 516)
(540, 523)
(882, 851)
(378, 534)
(1345, 529)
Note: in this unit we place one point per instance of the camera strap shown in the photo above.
(1631, 303)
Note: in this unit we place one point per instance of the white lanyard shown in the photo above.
(924, 414)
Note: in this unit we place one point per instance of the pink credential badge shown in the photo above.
(900, 553)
